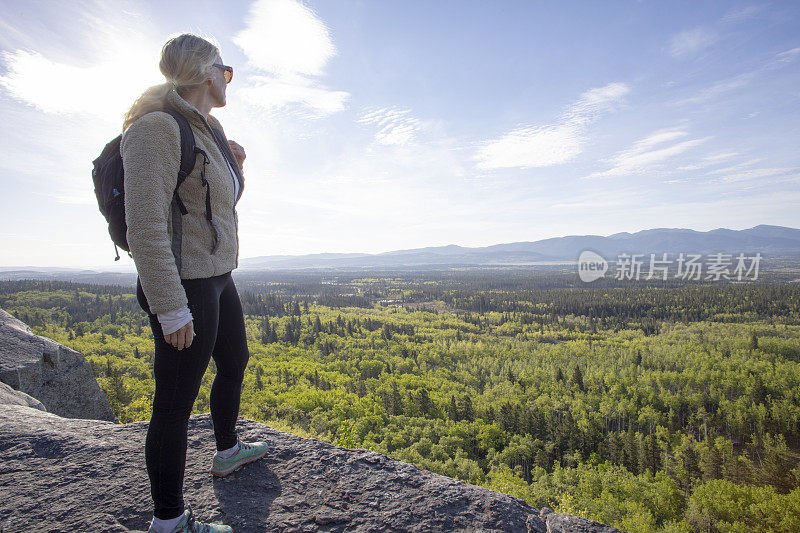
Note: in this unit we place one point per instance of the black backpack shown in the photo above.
(108, 177)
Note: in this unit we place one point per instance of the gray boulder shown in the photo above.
(9, 396)
(565, 523)
(57, 376)
(59, 474)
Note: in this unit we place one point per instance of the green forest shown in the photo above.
(658, 406)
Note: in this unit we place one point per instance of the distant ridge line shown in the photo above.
(769, 240)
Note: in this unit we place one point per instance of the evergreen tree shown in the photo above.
(508, 417)
(711, 462)
(631, 451)
(654, 452)
(759, 390)
(643, 455)
(118, 393)
(466, 408)
(689, 460)
(542, 460)
(777, 464)
(396, 400)
(266, 331)
(423, 401)
(452, 409)
(616, 451)
(577, 377)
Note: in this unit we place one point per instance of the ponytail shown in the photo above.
(185, 61)
(150, 100)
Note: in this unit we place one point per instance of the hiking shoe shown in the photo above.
(247, 453)
(189, 525)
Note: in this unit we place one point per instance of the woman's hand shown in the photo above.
(238, 152)
(183, 337)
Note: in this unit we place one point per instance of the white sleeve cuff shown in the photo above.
(172, 321)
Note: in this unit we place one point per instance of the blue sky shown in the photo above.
(373, 125)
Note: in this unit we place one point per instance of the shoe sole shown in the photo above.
(225, 473)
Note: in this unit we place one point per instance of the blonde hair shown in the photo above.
(185, 60)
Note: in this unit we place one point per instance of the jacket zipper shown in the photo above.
(233, 174)
(222, 151)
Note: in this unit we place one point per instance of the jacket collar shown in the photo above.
(176, 101)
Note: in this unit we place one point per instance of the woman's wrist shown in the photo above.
(172, 321)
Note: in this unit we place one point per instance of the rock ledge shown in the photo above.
(59, 474)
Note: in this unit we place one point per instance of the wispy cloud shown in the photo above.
(647, 153)
(783, 58)
(720, 156)
(709, 161)
(285, 37)
(745, 171)
(739, 14)
(757, 173)
(302, 95)
(690, 42)
(776, 62)
(395, 126)
(737, 167)
(288, 46)
(120, 64)
(720, 88)
(104, 89)
(551, 144)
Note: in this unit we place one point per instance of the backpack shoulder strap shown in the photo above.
(188, 155)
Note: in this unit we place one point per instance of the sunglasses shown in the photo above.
(227, 71)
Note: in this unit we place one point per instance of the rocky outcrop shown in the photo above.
(59, 474)
(566, 523)
(57, 376)
(9, 396)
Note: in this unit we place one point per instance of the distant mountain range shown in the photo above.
(769, 240)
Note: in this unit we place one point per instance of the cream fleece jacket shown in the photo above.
(167, 246)
(172, 321)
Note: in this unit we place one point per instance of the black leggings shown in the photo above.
(219, 333)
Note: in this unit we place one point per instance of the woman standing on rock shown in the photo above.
(184, 242)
